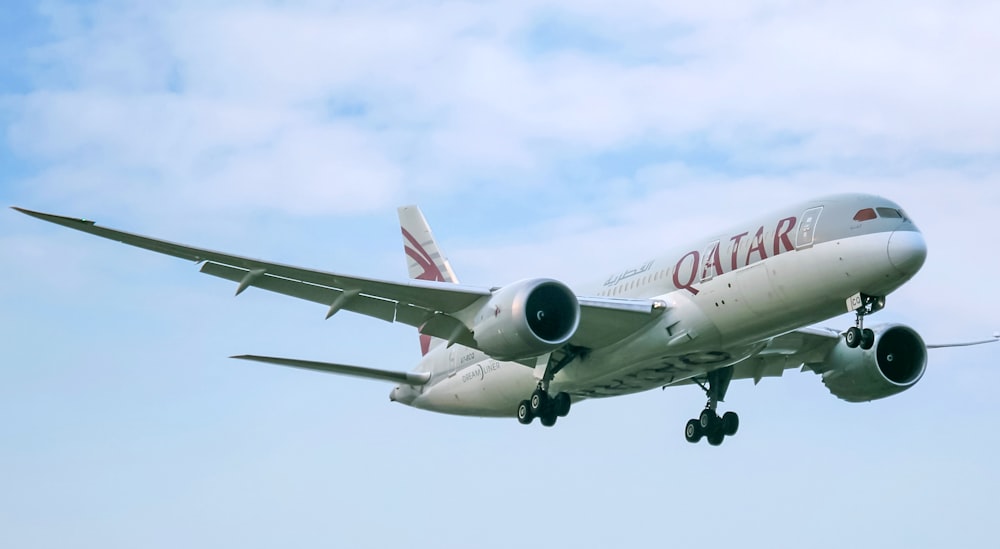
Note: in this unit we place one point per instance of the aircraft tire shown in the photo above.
(730, 423)
(548, 420)
(716, 439)
(708, 421)
(692, 431)
(867, 339)
(524, 415)
(561, 404)
(853, 337)
(539, 402)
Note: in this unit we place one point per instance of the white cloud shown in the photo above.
(276, 100)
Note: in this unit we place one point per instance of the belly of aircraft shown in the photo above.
(494, 389)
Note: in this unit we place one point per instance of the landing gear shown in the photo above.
(709, 424)
(863, 305)
(546, 408)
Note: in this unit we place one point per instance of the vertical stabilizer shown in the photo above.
(423, 257)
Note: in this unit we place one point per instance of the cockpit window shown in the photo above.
(889, 212)
(866, 214)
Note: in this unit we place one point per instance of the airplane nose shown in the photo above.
(907, 251)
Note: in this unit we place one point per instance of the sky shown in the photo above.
(560, 139)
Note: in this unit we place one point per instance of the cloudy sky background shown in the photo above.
(559, 139)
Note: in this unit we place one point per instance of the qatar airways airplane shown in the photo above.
(736, 305)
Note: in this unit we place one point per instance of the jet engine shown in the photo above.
(527, 319)
(895, 363)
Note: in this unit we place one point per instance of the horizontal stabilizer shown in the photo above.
(410, 378)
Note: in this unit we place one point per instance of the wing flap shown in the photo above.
(410, 378)
(604, 321)
(791, 350)
(358, 303)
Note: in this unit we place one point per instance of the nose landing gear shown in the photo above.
(863, 305)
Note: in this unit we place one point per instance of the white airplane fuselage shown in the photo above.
(725, 298)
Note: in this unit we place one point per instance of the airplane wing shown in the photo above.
(806, 347)
(410, 378)
(996, 337)
(426, 305)
(791, 350)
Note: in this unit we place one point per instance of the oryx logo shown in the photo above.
(417, 253)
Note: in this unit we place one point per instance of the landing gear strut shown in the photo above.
(863, 305)
(708, 424)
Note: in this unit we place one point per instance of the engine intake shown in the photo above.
(527, 319)
(895, 363)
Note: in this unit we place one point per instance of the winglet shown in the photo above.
(58, 219)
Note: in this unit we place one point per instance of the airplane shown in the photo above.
(740, 304)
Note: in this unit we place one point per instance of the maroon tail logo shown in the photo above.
(417, 253)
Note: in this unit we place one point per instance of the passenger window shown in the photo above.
(866, 214)
(888, 212)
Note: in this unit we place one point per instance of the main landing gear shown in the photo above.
(709, 424)
(543, 406)
(863, 305)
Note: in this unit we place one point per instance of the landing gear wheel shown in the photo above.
(561, 404)
(548, 420)
(708, 421)
(524, 415)
(730, 423)
(867, 338)
(716, 439)
(853, 337)
(692, 431)
(539, 402)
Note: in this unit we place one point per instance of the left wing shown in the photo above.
(430, 306)
(807, 348)
(791, 350)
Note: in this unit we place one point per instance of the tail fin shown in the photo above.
(423, 257)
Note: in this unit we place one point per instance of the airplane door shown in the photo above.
(807, 227)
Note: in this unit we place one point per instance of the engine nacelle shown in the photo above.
(527, 319)
(895, 363)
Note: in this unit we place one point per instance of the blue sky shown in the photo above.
(558, 139)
